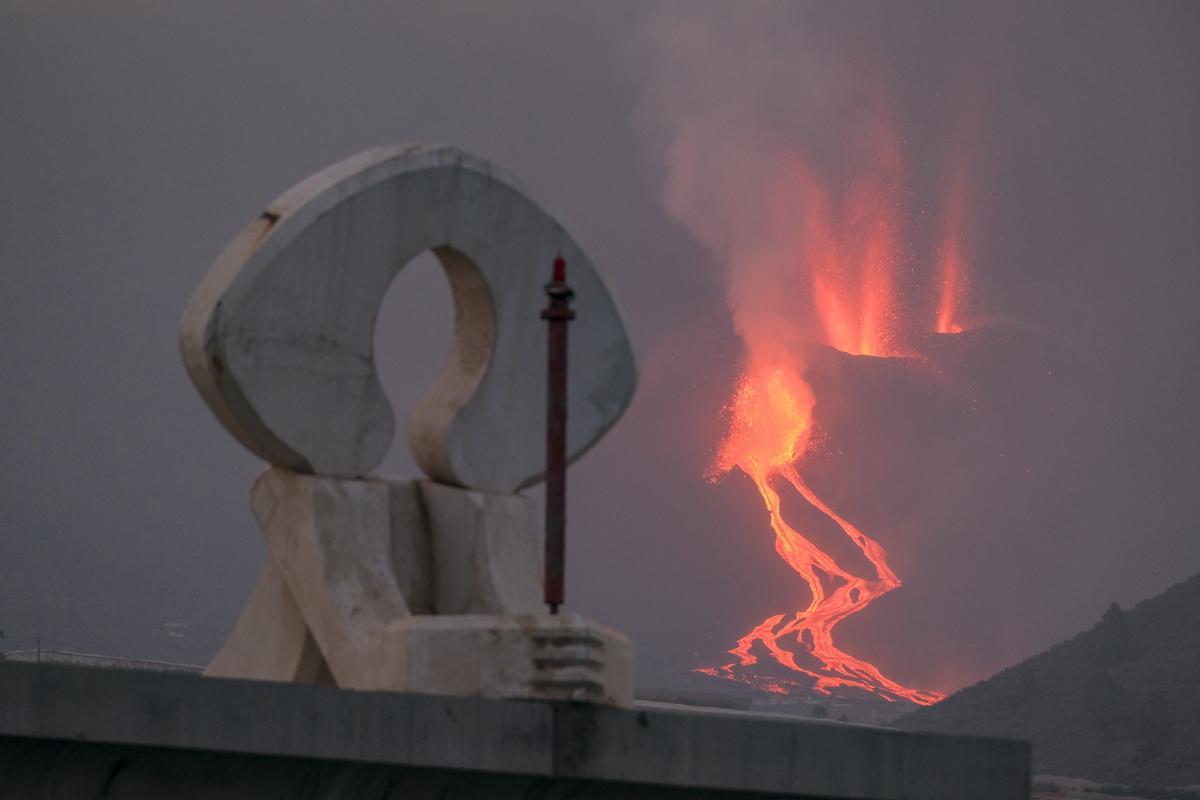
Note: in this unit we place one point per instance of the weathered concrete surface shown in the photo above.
(487, 550)
(331, 540)
(278, 338)
(109, 732)
(525, 656)
(349, 560)
(271, 641)
(33, 769)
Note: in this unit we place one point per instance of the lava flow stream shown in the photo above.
(771, 427)
(849, 259)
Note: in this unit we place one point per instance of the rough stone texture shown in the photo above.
(278, 338)
(331, 541)
(75, 732)
(411, 542)
(488, 550)
(536, 657)
(333, 604)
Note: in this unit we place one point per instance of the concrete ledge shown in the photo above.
(463, 747)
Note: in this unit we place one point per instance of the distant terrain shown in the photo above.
(1119, 703)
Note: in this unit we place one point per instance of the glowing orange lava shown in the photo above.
(846, 258)
(770, 429)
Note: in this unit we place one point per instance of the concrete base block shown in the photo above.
(487, 550)
(528, 657)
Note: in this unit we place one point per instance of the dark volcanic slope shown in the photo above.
(1119, 703)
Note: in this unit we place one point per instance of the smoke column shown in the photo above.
(783, 160)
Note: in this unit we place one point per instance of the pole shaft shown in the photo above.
(557, 315)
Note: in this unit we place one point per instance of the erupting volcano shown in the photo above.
(844, 256)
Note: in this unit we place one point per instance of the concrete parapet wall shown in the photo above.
(132, 735)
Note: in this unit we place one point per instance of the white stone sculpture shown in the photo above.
(431, 585)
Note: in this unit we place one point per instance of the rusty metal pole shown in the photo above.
(557, 314)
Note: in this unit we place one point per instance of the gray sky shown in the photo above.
(136, 139)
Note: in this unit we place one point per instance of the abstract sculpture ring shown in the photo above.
(428, 585)
(279, 336)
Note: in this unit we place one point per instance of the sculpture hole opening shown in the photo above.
(413, 335)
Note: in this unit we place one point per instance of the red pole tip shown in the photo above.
(560, 270)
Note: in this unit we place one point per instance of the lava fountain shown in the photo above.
(846, 258)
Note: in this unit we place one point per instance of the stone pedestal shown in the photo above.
(526, 656)
(413, 586)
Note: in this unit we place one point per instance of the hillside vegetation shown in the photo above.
(1118, 703)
